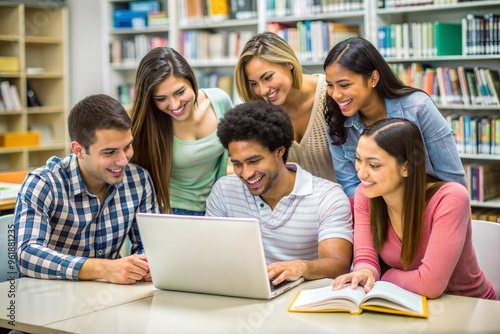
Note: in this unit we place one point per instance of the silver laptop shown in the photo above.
(221, 256)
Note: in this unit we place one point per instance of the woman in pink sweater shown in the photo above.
(420, 228)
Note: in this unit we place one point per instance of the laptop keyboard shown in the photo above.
(276, 287)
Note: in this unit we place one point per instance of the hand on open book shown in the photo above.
(363, 277)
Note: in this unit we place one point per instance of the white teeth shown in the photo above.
(366, 183)
(177, 110)
(255, 180)
(343, 104)
(270, 96)
(116, 170)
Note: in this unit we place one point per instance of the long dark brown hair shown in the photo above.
(402, 140)
(152, 128)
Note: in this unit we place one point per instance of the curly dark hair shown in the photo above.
(260, 121)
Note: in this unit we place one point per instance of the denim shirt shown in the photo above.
(441, 157)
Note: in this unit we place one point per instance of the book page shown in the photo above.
(326, 298)
(392, 296)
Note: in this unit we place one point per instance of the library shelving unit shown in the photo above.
(364, 13)
(35, 35)
(451, 13)
(125, 45)
(210, 35)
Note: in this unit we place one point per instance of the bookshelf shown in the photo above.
(34, 35)
(128, 38)
(449, 14)
(212, 64)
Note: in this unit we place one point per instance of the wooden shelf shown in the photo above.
(40, 46)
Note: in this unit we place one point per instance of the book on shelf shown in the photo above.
(2, 105)
(32, 97)
(8, 99)
(484, 180)
(157, 19)
(473, 86)
(243, 9)
(491, 34)
(492, 215)
(384, 297)
(493, 81)
(448, 38)
(464, 89)
(16, 100)
(126, 94)
(482, 33)
(218, 10)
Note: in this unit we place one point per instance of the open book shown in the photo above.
(383, 297)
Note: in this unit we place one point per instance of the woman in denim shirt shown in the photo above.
(362, 89)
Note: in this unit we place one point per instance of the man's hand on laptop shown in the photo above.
(289, 270)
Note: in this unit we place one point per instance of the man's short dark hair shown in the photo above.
(96, 112)
(257, 121)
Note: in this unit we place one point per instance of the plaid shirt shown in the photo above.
(59, 224)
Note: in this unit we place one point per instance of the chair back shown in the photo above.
(8, 256)
(486, 240)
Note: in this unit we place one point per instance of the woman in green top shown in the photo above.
(174, 127)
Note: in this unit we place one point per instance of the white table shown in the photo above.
(38, 303)
(94, 307)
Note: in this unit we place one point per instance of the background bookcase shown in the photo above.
(450, 14)
(36, 36)
(211, 67)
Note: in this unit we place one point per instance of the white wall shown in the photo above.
(85, 49)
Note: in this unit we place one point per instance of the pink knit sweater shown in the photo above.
(445, 262)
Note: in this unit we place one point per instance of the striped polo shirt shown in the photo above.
(315, 210)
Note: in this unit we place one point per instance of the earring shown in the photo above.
(291, 66)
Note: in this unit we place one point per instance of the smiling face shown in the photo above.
(105, 160)
(351, 91)
(270, 81)
(378, 171)
(175, 97)
(256, 166)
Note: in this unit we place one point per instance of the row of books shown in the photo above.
(215, 46)
(449, 86)
(483, 181)
(126, 92)
(406, 3)
(131, 51)
(9, 97)
(482, 34)
(474, 35)
(475, 134)
(312, 40)
(139, 14)
(492, 215)
(279, 8)
(416, 40)
(209, 11)
(222, 81)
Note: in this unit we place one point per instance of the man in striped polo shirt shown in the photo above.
(305, 220)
